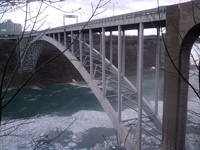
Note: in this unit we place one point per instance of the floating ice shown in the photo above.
(37, 130)
(36, 88)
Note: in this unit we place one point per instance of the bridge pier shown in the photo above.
(182, 30)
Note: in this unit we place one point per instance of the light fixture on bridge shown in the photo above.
(69, 16)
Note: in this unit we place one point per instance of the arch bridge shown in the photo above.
(109, 83)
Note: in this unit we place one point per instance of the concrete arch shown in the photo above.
(184, 68)
(184, 55)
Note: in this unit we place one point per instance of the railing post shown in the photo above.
(157, 70)
(91, 52)
(80, 46)
(111, 55)
(103, 63)
(119, 71)
(72, 40)
(139, 82)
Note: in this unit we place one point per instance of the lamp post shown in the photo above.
(113, 3)
(80, 13)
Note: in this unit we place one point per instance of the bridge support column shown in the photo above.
(84, 38)
(119, 72)
(91, 53)
(111, 49)
(139, 82)
(100, 45)
(103, 63)
(123, 53)
(72, 40)
(157, 71)
(65, 38)
(80, 47)
(58, 37)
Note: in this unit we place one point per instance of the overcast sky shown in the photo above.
(55, 17)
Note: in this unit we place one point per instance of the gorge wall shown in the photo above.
(61, 69)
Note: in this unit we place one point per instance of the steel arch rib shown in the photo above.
(122, 131)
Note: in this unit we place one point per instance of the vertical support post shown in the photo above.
(84, 38)
(140, 81)
(54, 36)
(157, 70)
(80, 47)
(91, 52)
(72, 40)
(123, 54)
(111, 49)
(119, 72)
(103, 63)
(100, 43)
(58, 36)
(65, 38)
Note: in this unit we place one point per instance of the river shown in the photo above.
(40, 113)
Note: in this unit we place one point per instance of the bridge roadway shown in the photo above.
(109, 83)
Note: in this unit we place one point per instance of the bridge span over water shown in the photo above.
(112, 88)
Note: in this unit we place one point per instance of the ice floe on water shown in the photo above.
(31, 132)
(87, 128)
(36, 88)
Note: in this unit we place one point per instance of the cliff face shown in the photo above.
(8, 47)
(61, 69)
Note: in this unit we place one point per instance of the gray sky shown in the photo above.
(55, 17)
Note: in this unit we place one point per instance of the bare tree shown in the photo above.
(31, 22)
